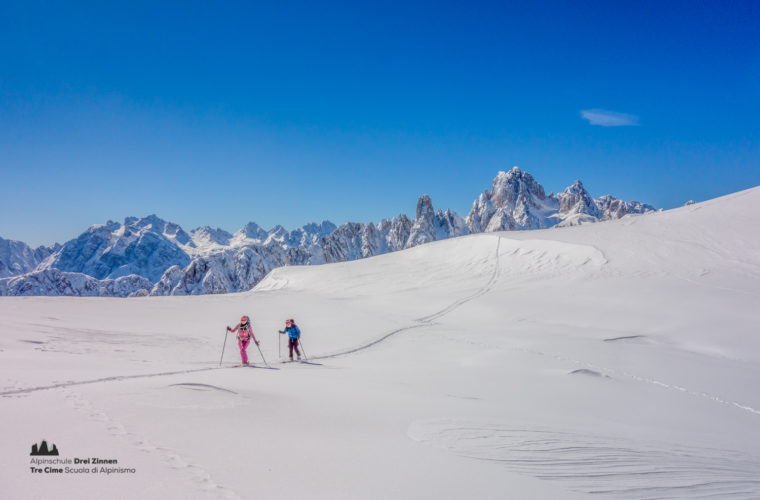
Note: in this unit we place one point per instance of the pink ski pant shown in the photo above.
(243, 344)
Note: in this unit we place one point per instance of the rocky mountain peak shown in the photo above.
(252, 231)
(151, 221)
(576, 200)
(424, 207)
(206, 234)
(514, 187)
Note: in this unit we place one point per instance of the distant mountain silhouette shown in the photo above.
(43, 449)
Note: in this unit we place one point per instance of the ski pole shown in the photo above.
(262, 354)
(279, 345)
(223, 346)
(304, 350)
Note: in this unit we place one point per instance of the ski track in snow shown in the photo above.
(613, 372)
(199, 476)
(115, 378)
(422, 322)
(608, 466)
(428, 320)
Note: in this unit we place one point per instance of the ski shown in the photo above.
(251, 365)
(301, 361)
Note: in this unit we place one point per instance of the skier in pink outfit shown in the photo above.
(245, 334)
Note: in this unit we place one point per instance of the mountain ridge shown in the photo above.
(150, 256)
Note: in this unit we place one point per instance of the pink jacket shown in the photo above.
(244, 332)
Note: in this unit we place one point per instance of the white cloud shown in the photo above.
(609, 118)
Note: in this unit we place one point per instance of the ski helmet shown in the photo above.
(244, 320)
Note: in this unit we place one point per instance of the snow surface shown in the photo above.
(615, 360)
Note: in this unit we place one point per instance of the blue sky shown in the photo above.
(284, 114)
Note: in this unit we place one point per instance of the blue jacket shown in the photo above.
(293, 332)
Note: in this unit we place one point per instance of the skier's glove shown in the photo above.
(228, 329)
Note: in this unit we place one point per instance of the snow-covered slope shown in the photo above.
(615, 360)
(534, 350)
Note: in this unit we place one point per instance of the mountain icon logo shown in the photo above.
(43, 449)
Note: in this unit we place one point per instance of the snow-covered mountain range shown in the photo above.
(149, 256)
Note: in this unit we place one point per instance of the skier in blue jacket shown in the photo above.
(293, 335)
